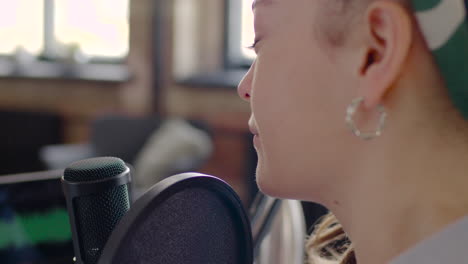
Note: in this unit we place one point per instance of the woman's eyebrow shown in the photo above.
(261, 2)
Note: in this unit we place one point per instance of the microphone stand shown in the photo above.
(262, 213)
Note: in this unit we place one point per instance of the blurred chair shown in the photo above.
(22, 135)
(136, 140)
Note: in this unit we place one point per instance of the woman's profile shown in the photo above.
(362, 106)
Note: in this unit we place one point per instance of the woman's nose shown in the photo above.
(245, 86)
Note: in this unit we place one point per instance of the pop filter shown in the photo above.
(184, 219)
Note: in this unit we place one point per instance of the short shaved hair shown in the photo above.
(340, 16)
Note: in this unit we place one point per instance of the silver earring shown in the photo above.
(351, 111)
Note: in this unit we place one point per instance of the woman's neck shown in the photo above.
(404, 193)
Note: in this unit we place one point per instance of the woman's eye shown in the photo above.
(253, 46)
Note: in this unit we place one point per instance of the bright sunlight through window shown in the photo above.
(99, 27)
(21, 25)
(248, 34)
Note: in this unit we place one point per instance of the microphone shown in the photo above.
(97, 195)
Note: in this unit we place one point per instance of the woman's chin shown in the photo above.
(268, 185)
(278, 186)
(263, 182)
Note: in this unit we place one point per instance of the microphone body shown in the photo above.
(97, 195)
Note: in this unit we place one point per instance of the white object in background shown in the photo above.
(175, 145)
(23, 56)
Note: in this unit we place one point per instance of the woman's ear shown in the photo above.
(389, 33)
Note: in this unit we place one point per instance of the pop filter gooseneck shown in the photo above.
(185, 219)
(262, 215)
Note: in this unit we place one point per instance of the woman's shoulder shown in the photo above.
(447, 246)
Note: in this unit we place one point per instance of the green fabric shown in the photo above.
(452, 60)
(33, 229)
(452, 55)
(423, 5)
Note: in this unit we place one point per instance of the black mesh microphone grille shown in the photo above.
(97, 215)
(94, 169)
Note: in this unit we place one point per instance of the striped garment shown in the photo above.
(445, 27)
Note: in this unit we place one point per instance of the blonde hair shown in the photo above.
(329, 244)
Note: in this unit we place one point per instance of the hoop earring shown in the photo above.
(351, 111)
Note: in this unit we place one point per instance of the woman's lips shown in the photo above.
(256, 140)
(253, 127)
(254, 131)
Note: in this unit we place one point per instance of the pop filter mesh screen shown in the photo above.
(195, 225)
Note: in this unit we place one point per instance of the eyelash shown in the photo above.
(252, 47)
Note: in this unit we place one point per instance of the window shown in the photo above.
(57, 29)
(21, 26)
(99, 27)
(240, 33)
(248, 34)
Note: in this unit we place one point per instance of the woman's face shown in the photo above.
(298, 88)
